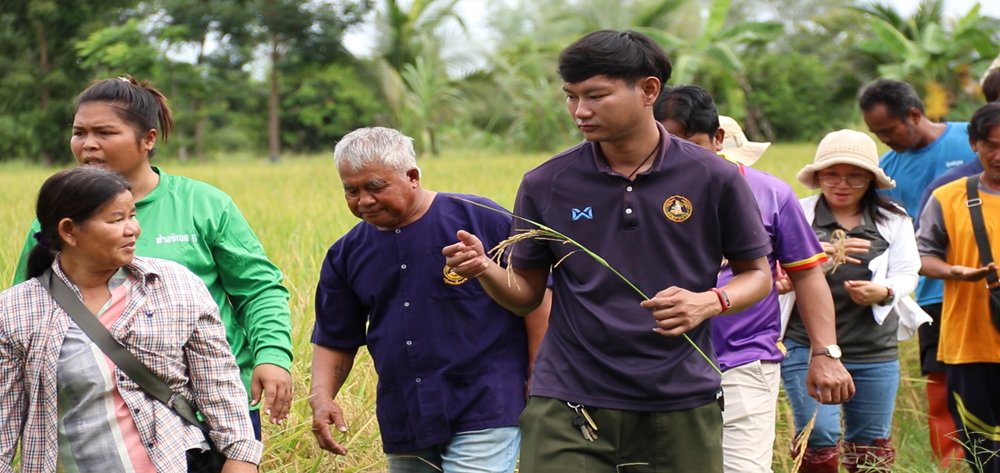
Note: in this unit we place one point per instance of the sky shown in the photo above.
(361, 40)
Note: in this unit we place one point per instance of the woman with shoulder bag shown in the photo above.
(117, 124)
(71, 407)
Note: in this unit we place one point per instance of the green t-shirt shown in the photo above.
(200, 227)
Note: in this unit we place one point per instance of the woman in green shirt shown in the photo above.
(195, 224)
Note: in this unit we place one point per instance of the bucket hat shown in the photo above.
(735, 144)
(846, 147)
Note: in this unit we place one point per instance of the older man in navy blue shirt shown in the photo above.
(615, 385)
(452, 363)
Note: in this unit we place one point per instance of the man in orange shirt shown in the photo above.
(970, 335)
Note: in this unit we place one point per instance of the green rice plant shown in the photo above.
(297, 210)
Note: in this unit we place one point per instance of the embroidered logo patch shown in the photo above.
(587, 213)
(453, 278)
(677, 208)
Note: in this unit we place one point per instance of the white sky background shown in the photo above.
(361, 39)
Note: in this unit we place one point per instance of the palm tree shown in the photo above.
(931, 52)
(710, 60)
(414, 77)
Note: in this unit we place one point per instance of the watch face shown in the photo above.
(833, 351)
(725, 297)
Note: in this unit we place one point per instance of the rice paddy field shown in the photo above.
(297, 209)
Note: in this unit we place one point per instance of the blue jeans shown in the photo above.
(480, 451)
(255, 422)
(867, 416)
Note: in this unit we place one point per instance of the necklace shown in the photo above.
(632, 174)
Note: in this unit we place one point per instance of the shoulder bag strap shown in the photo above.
(975, 205)
(125, 360)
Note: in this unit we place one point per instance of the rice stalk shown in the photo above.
(803, 441)
(548, 234)
(838, 239)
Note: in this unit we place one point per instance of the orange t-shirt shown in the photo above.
(967, 331)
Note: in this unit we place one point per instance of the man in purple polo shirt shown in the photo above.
(452, 363)
(747, 343)
(615, 385)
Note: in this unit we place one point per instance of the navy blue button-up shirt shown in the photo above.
(449, 358)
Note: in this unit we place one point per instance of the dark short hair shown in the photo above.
(76, 194)
(983, 121)
(689, 105)
(898, 97)
(626, 55)
(991, 86)
(137, 103)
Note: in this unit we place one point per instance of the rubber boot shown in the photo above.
(874, 458)
(819, 460)
(940, 423)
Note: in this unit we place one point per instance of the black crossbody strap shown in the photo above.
(125, 360)
(975, 205)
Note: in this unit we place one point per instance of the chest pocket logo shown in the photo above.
(677, 208)
(587, 213)
(452, 278)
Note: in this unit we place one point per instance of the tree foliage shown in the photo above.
(941, 58)
(39, 74)
(262, 75)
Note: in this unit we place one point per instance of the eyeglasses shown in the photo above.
(834, 180)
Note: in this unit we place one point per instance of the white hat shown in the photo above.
(846, 147)
(735, 144)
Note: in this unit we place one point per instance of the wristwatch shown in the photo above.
(832, 351)
(888, 297)
(723, 298)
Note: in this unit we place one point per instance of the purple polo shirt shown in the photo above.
(753, 334)
(671, 226)
(449, 358)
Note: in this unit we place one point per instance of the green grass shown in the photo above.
(297, 209)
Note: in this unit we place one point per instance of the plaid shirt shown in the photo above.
(171, 325)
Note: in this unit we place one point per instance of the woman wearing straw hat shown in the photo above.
(873, 265)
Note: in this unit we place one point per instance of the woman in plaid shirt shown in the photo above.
(71, 408)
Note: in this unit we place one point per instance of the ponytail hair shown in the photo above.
(137, 103)
(76, 194)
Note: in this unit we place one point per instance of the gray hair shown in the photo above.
(376, 145)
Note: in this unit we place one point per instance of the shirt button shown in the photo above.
(136, 411)
(149, 445)
(406, 304)
(398, 230)
(409, 342)
(403, 266)
(418, 380)
(628, 189)
(628, 211)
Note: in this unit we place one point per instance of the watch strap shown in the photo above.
(890, 295)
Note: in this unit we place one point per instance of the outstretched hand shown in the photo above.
(965, 273)
(467, 258)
